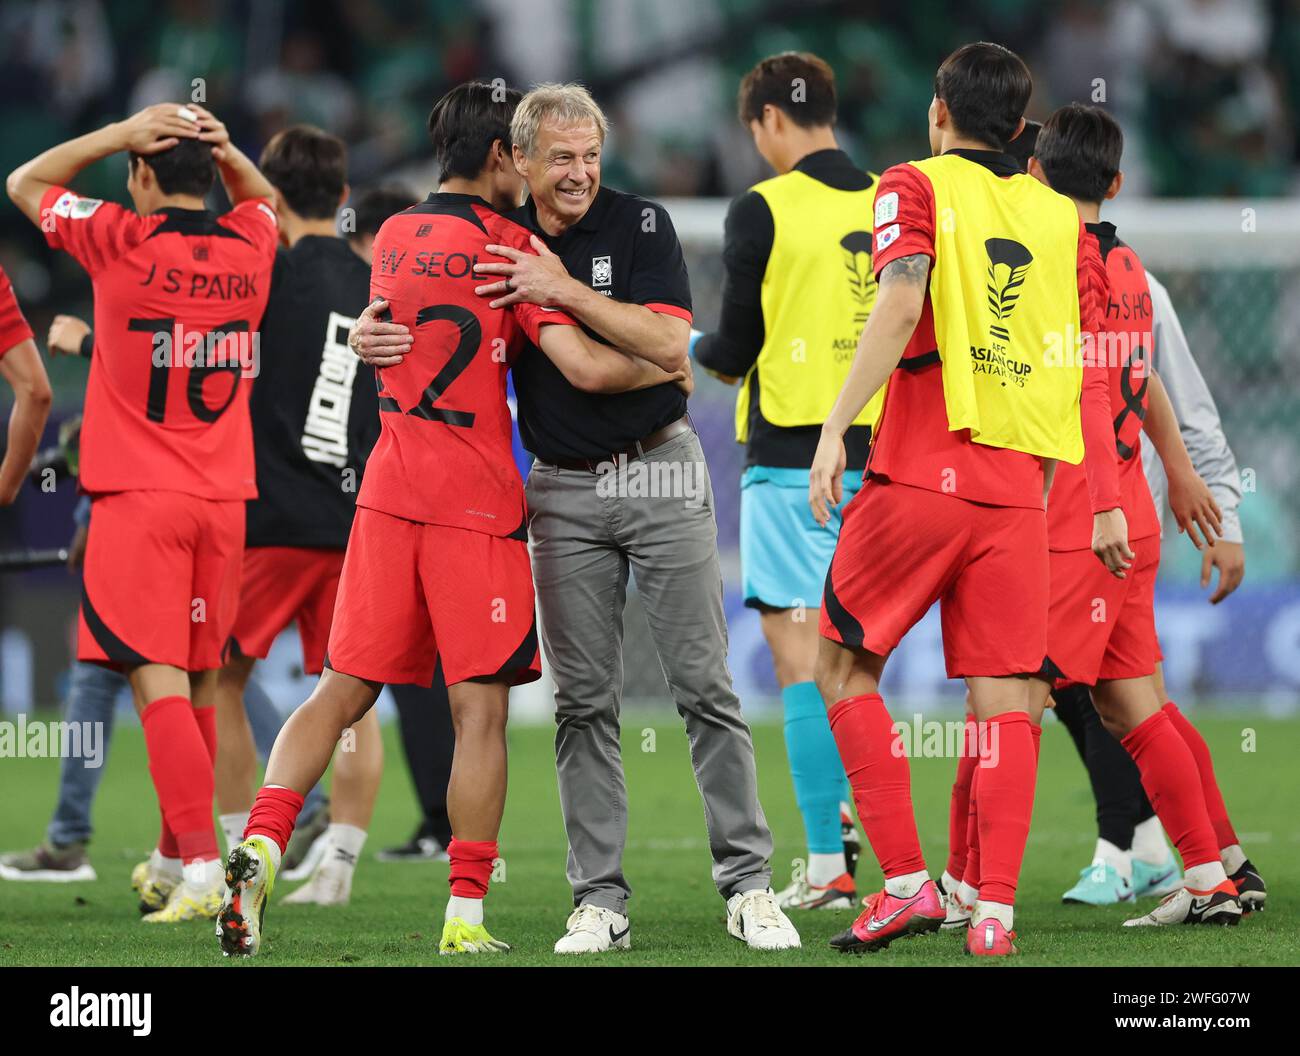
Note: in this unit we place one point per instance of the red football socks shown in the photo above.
(1218, 810)
(971, 874)
(1170, 779)
(182, 776)
(881, 781)
(471, 866)
(959, 804)
(1006, 803)
(207, 720)
(275, 810)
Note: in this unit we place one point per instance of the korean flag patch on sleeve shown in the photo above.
(886, 237)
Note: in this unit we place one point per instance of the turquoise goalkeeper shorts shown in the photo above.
(784, 553)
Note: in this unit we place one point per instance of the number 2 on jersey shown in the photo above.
(471, 334)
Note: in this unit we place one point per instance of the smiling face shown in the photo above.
(563, 172)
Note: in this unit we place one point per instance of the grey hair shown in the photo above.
(566, 104)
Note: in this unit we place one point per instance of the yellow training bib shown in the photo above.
(818, 290)
(1004, 290)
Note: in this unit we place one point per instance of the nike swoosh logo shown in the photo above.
(1156, 880)
(876, 923)
(614, 936)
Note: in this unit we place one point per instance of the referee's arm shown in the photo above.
(731, 350)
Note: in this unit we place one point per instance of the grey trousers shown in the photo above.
(587, 532)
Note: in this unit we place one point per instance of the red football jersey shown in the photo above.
(912, 442)
(1123, 349)
(179, 296)
(13, 326)
(444, 454)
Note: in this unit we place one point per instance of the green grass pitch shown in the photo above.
(677, 917)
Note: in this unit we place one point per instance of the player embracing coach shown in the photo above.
(612, 261)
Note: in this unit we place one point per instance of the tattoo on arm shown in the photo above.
(911, 269)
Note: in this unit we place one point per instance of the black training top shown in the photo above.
(624, 247)
(314, 406)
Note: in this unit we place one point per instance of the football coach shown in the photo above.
(619, 485)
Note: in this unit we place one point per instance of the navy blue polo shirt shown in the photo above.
(624, 247)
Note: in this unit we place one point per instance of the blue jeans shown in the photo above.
(92, 696)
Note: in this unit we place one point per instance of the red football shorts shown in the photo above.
(901, 549)
(283, 585)
(1100, 627)
(161, 579)
(413, 593)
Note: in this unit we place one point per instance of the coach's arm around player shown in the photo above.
(586, 364)
(539, 277)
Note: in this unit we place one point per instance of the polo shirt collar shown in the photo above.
(591, 219)
(996, 161)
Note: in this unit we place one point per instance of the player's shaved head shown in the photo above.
(187, 168)
(1079, 149)
(986, 88)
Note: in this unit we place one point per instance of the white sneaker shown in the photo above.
(594, 929)
(330, 885)
(1184, 906)
(756, 919)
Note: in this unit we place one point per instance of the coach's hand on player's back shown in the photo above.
(538, 277)
(158, 127)
(826, 478)
(1110, 540)
(379, 343)
(1194, 507)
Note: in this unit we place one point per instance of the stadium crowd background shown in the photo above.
(1207, 91)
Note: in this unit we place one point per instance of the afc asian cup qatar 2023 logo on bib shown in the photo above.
(1008, 265)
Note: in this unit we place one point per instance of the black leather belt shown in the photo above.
(638, 450)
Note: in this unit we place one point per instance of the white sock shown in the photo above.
(999, 911)
(1111, 855)
(823, 868)
(346, 842)
(1233, 858)
(1149, 842)
(1204, 877)
(907, 885)
(272, 848)
(967, 895)
(232, 827)
(204, 872)
(172, 867)
(470, 910)
(948, 882)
